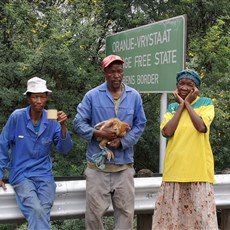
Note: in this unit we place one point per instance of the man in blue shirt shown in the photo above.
(25, 146)
(111, 99)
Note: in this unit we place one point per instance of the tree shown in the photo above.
(64, 42)
(211, 57)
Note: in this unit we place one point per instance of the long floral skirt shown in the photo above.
(185, 206)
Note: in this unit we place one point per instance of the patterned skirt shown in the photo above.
(185, 206)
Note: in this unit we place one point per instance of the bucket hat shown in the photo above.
(37, 85)
(109, 59)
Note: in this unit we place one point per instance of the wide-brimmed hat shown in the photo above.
(37, 85)
(109, 59)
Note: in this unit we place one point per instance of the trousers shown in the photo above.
(35, 197)
(102, 188)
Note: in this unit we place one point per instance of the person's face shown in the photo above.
(184, 87)
(37, 101)
(114, 75)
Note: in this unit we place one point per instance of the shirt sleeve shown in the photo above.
(171, 110)
(207, 112)
(82, 120)
(62, 145)
(139, 123)
(5, 139)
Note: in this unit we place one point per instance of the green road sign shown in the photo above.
(153, 54)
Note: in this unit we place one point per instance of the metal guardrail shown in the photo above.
(70, 198)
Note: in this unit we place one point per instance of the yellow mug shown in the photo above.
(52, 114)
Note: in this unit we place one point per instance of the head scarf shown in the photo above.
(189, 74)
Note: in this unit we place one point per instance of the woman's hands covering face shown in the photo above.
(192, 95)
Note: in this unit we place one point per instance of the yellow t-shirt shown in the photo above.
(189, 155)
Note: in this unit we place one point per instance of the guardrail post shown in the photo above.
(144, 221)
(225, 219)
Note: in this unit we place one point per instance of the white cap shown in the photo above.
(37, 85)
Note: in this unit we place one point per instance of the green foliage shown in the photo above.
(68, 224)
(64, 42)
(147, 149)
(7, 227)
(211, 57)
(47, 41)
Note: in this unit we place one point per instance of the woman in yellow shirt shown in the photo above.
(186, 197)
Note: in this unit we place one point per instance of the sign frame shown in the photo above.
(153, 54)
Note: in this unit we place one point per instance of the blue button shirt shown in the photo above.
(28, 152)
(97, 106)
